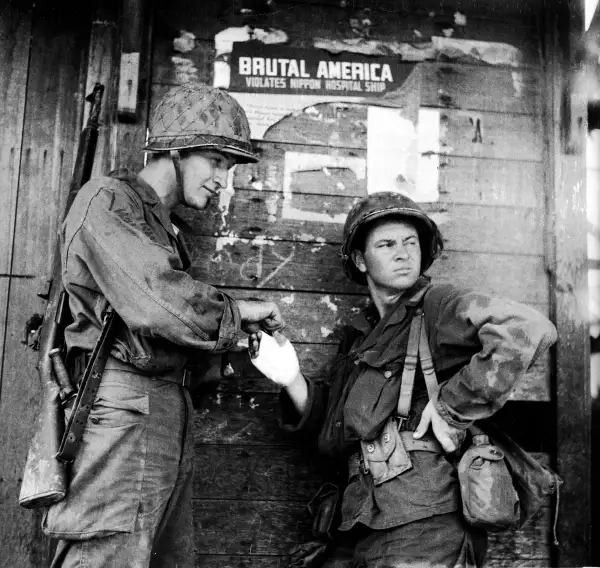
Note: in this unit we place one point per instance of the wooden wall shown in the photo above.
(42, 64)
(496, 192)
(253, 482)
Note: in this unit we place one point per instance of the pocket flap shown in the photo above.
(118, 395)
(381, 448)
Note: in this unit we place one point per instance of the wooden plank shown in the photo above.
(15, 31)
(480, 87)
(462, 133)
(462, 180)
(50, 129)
(531, 544)
(505, 230)
(491, 182)
(303, 24)
(131, 135)
(253, 472)
(224, 561)
(273, 528)
(249, 527)
(263, 263)
(245, 418)
(566, 117)
(317, 318)
(102, 57)
(240, 419)
(315, 361)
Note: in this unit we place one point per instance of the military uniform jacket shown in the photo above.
(119, 247)
(481, 347)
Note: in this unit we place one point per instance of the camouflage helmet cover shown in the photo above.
(389, 204)
(198, 116)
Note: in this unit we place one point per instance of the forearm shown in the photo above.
(298, 393)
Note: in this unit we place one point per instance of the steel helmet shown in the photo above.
(388, 204)
(198, 116)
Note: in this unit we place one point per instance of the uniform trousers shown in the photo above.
(441, 541)
(130, 491)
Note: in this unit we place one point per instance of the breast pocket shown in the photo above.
(106, 477)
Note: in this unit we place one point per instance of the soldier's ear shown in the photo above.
(359, 260)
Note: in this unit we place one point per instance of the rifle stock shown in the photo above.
(45, 478)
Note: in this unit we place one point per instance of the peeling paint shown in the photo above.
(492, 53)
(258, 185)
(301, 162)
(327, 301)
(225, 196)
(185, 42)
(271, 204)
(289, 300)
(303, 333)
(224, 41)
(518, 83)
(325, 332)
(460, 19)
(184, 70)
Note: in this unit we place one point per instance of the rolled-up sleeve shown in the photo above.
(142, 279)
(509, 338)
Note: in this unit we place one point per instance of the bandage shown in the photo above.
(277, 362)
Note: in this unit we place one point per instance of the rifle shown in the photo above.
(45, 478)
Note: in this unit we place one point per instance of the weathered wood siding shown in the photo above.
(42, 63)
(253, 482)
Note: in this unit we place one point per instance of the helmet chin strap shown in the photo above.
(176, 158)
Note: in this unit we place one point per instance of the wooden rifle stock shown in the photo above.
(45, 478)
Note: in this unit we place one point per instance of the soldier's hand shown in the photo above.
(259, 314)
(448, 436)
(275, 357)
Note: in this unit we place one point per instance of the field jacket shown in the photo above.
(481, 346)
(120, 247)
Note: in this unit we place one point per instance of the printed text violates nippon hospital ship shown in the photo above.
(332, 75)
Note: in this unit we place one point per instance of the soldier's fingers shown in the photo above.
(423, 424)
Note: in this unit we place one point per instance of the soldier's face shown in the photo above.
(204, 175)
(392, 256)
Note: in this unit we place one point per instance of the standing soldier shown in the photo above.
(129, 497)
(401, 504)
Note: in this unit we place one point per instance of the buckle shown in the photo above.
(400, 421)
(186, 379)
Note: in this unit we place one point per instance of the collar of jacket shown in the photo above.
(368, 318)
(149, 196)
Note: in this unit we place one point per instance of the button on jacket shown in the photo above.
(119, 247)
(481, 347)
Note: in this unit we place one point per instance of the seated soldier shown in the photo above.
(481, 345)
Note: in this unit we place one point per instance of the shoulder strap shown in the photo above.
(410, 365)
(427, 362)
(88, 388)
(418, 348)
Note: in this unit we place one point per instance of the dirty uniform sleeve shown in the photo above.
(311, 419)
(508, 336)
(142, 279)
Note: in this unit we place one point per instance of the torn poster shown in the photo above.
(403, 156)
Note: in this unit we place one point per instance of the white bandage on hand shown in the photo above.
(277, 359)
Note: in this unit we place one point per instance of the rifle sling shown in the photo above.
(88, 387)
